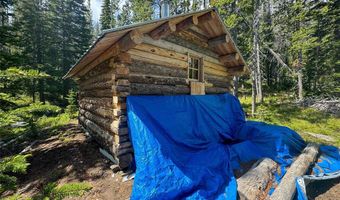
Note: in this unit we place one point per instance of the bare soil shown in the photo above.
(70, 156)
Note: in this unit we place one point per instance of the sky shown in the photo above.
(96, 7)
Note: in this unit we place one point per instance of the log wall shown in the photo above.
(155, 67)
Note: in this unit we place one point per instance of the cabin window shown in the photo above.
(195, 68)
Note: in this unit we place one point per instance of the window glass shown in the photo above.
(195, 68)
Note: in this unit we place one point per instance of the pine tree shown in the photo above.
(106, 15)
(124, 17)
(141, 10)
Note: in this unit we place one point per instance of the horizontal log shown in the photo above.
(150, 89)
(101, 111)
(217, 81)
(104, 123)
(158, 58)
(162, 52)
(99, 69)
(216, 90)
(222, 39)
(124, 151)
(97, 85)
(187, 44)
(102, 102)
(146, 68)
(254, 183)
(211, 56)
(233, 57)
(187, 23)
(287, 188)
(106, 136)
(108, 76)
(163, 30)
(157, 80)
(96, 93)
(214, 71)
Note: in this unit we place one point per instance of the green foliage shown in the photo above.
(11, 165)
(55, 192)
(278, 109)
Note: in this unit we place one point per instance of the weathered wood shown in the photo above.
(287, 188)
(99, 78)
(216, 90)
(102, 85)
(213, 71)
(211, 57)
(158, 80)
(217, 81)
(121, 138)
(184, 43)
(104, 123)
(101, 111)
(238, 70)
(187, 23)
(205, 18)
(197, 88)
(229, 58)
(99, 69)
(146, 68)
(163, 30)
(96, 93)
(222, 39)
(148, 89)
(160, 59)
(162, 52)
(103, 102)
(105, 136)
(130, 40)
(123, 58)
(254, 183)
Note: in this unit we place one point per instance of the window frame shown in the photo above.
(200, 67)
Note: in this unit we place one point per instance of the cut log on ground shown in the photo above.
(254, 184)
(286, 189)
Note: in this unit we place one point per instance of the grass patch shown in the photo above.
(280, 111)
(55, 192)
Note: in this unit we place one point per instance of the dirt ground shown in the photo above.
(72, 157)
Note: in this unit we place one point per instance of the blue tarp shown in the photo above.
(186, 147)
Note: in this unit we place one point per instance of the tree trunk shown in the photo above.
(41, 91)
(235, 86)
(299, 75)
(253, 95)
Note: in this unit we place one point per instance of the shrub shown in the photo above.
(11, 165)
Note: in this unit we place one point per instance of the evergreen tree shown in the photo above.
(141, 10)
(106, 15)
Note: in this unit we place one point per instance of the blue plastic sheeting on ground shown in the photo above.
(327, 167)
(187, 146)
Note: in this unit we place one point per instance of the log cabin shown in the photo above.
(188, 54)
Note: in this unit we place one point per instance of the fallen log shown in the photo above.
(254, 183)
(286, 188)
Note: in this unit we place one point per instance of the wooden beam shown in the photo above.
(163, 30)
(229, 58)
(130, 40)
(222, 39)
(187, 23)
(207, 17)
